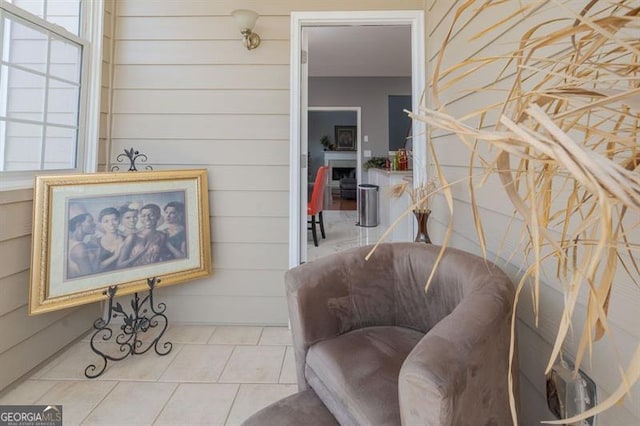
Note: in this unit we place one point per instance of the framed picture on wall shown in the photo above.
(345, 138)
(95, 230)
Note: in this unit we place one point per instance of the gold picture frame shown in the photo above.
(95, 230)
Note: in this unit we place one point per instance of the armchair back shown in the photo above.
(465, 315)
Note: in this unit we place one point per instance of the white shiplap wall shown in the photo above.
(188, 95)
(496, 211)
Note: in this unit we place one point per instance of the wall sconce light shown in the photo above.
(246, 20)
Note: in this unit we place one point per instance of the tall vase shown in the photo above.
(422, 236)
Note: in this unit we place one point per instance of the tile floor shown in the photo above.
(214, 375)
(342, 233)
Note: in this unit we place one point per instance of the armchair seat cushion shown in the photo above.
(356, 374)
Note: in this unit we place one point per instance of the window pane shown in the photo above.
(68, 23)
(35, 7)
(25, 94)
(62, 103)
(60, 150)
(23, 146)
(27, 46)
(65, 13)
(65, 60)
(47, 95)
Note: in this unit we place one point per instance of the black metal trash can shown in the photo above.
(368, 205)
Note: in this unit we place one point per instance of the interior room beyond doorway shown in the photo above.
(325, 127)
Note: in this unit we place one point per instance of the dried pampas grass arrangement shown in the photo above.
(420, 195)
(566, 148)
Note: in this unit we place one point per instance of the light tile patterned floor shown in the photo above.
(342, 234)
(215, 375)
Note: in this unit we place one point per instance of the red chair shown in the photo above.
(316, 204)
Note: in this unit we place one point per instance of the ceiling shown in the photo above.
(360, 51)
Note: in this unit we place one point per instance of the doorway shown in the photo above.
(300, 22)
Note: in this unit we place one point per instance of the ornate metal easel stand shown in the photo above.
(132, 155)
(141, 320)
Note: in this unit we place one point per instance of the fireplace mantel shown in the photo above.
(339, 159)
(339, 155)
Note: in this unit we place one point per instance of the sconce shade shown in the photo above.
(246, 19)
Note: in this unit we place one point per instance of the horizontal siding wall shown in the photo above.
(189, 95)
(28, 341)
(503, 231)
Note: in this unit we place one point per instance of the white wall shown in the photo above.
(188, 95)
(496, 211)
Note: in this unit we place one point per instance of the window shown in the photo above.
(45, 86)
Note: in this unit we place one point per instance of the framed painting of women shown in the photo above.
(92, 231)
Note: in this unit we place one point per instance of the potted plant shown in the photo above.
(326, 142)
(375, 162)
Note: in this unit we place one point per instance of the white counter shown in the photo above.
(390, 207)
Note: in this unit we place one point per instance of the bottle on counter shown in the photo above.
(402, 159)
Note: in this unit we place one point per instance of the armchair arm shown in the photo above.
(333, 295)
(458, 372)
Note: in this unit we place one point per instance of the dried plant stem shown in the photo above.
(570, 124)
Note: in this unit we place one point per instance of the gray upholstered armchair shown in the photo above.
(372, 348)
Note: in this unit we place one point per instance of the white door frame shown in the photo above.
(358, 111)
(413, 18)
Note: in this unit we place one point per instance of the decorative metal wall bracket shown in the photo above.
(131, 155)
(145, 317)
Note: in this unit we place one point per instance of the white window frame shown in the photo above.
(91, 33)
